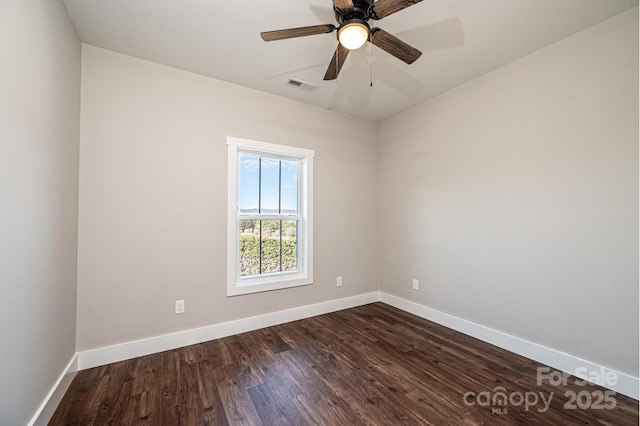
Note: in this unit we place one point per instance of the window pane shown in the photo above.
(270, 246)
(249, 181)
(249, 247)
(269, 186)
(289, 245)
(289, 187)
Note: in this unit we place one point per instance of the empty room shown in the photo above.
(324, 212)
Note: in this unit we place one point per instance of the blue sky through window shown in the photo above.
(267, 185)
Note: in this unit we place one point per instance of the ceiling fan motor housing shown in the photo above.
(362, 10)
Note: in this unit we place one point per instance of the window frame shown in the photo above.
(237, 285)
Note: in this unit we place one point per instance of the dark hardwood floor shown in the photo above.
(373, 365)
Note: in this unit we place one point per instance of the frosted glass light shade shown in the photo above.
(353, 35)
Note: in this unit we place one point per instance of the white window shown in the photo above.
(270, 220)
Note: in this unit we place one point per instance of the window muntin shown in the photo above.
(270, 217)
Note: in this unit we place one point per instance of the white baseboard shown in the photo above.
(108, 354)
(625, 383)
(53, 398)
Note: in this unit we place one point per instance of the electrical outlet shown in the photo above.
(339, 281)
(416, 284)
(179, 307)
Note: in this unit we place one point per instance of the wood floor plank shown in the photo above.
(209, 396)
(115, 402)
(369, 365)
(238, 407)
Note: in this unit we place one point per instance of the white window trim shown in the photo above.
(246, 285)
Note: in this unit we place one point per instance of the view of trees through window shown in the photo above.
(267, 246)
(268, 213)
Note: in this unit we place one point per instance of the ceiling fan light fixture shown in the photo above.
(353, 34)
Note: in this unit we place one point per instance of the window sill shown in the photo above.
(261, 284)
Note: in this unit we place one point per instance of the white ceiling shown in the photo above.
(460, 40)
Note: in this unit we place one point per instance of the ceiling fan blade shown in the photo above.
(343, 4)
(336, 62)
(297, 32)
(394, 46)
(384, 8)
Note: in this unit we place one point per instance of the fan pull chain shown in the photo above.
(370, 60)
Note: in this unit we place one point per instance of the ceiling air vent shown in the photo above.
(303, 85)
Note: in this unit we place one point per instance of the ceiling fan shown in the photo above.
(353, 31)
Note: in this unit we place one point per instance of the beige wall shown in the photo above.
(514, 198)
(153, 191)
(39, 133)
